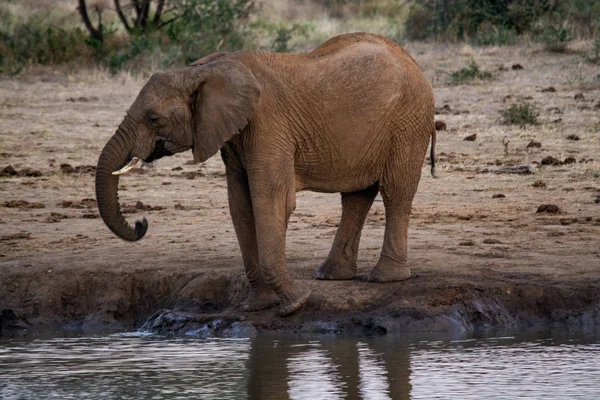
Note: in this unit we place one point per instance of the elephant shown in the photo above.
(354, 116)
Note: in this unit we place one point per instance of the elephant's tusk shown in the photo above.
(129, 166)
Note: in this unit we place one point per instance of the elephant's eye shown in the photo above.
(152, 119)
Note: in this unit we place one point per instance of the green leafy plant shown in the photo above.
(489, 34)
(195, 28)
(489, 22)
(34, 41)
(505, 142)
(594, 57)
(521, 114)
(285, 34)
(556, 38)
(462, 19)
(168, 34)
(469, 74)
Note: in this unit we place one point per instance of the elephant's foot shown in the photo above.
(293, 299)
(336, 270)
(388, 271)
(261, 300)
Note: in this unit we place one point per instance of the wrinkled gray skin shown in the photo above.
(353, 116)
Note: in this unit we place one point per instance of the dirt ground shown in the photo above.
(482, 257)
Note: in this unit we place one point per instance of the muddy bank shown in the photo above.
(206, 301)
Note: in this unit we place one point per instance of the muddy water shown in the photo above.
(128, 366)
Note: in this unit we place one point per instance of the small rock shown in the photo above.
(548, 208)
(498, 196)
(15, 203)
(572, 137)
(555, 110)
(570, 160)
(67, 169)
(86, 203)
(30, 172)
(557, 120)
(467, 243)
(166, 183)
(568, 221)
(539, 184)
(82, 99)
(55, 217)
(550, 89)
(8, 171)
(16, 236)
(176, 169)
(90, 216)
(445, 109)
(471, 138)
(440, 126)
(516, 67)
(533, 144)
(22, 204)
(579, 96)
(551, 161)
(491, 241)
(597, 106)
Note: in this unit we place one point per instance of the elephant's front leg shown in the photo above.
(273, 200)
(341, 261)
(240, 205)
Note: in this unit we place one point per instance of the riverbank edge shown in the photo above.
(206, 304)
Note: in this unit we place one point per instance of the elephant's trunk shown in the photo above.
(114, 156)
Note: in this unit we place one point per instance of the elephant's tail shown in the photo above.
(432, 153)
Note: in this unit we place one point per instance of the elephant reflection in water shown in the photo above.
(337, 368)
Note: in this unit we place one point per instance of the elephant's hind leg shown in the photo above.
(341, 261)
(397, 191)
(262, 296)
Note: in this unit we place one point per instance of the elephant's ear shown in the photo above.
(226, 93)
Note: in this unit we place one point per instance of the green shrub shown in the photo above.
(418, 23)
(203, 26)
(462, 19)
(362, 8)
(284, 34)
(488, 22)
(521, 114)
(34, 41)
(191, 29)
(197, 28)
(469, 74)
(556, 38)
(489, 34)
(594, 57)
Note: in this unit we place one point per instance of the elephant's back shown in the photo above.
(356, 45)
(359, 61)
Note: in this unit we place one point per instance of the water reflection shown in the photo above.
(133, 367)
(328, 369)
